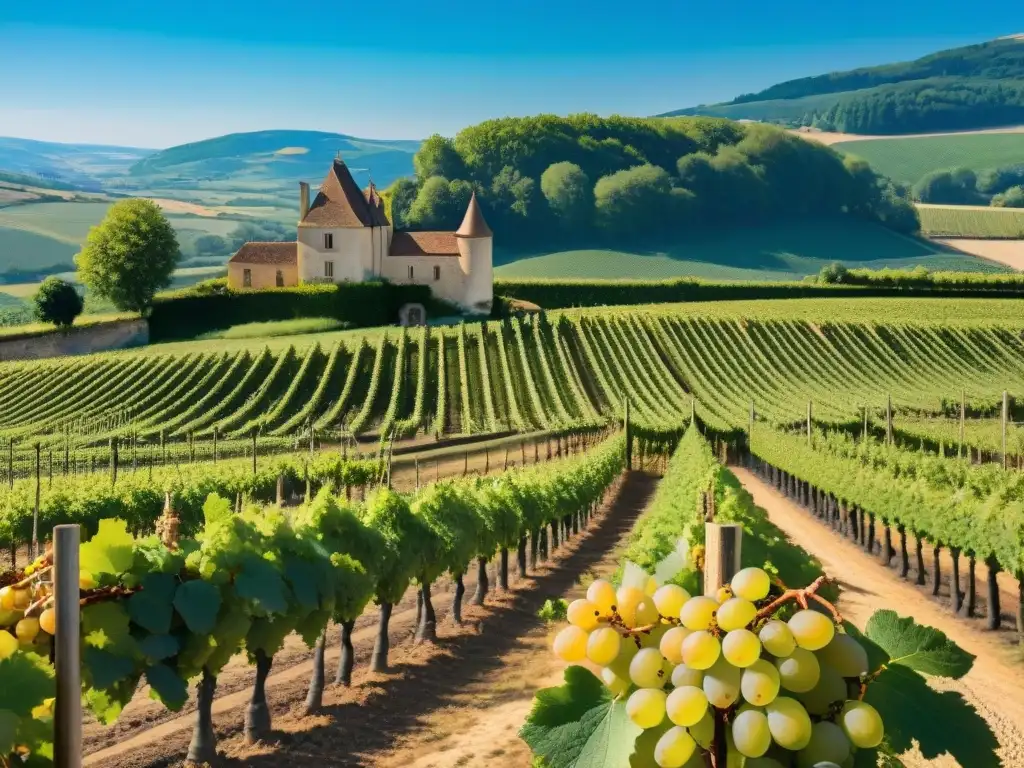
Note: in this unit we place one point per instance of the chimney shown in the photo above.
(303, 200)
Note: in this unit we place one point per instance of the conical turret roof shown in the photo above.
(473, 225)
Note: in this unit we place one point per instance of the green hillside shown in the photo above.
(774, 252)
(976, 86)
(907, 160)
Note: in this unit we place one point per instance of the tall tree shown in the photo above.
(440, 204)
(130, 255)
(570, 194)
(400, 196)
(437, 156)
(57, 302)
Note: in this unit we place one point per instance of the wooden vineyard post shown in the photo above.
(465, 464)
(963, 422)
(417, 473)
(67, 741)
(810, 439)
(254, 451)
(10, 463)
(215, 445)
(113, 461)
(35, 513)
(888, 419)
(721, 555)
(1005, 420)
(693, 409)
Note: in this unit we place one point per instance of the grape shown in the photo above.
(646, 668)
(627, 599)
(777, 638)
(651, 586)
(8, 644)
(751, 584)
(22, 599)
(829, 689)
(603, 646)
(646, 707)
(48, 621)
(7, 599)
(646, 613)
(741, 647)
(571, 644)
(683, 675)
(601, 595)
(828, 744)
(760, 682)
(750, 733)
(627, 650)
(617, 685)
(723, 594)
(701, 650)
(845, 655)
(704, 731)
(686, 706)
(27, 629)
(811, 629)
(698, 613)
(789, 723)
(800, 672)
(862, 724)
(583, 614)
(669, 599)
(671, 644)
(735, 613)
(674, 748)
(722, 684)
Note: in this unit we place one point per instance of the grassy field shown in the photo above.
(23, 249)
(908, 159)
(971, 221)
(782, 252)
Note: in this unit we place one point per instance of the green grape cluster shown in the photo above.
(785, 690)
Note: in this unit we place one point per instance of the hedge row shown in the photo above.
(212, 306)
(556, 294)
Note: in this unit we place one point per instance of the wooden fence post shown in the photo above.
(1006, 420)
(67, 741)
(35, 513)
(721, 555)
(629, 436)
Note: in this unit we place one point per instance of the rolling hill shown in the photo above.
(976, 86)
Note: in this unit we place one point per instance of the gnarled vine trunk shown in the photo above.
(481, 581)
(426, 631)
(257, 716)
(460, 590)
(315, 696)
(919, 552)
(995, 618)
(203, 748)
(503, 571)
(379, 660)
(970, 599)
(347, 659)
(936, 570)
(954, 583)
(904, 556)
(521, 557)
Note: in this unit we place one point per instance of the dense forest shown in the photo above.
(977, 86)
(998, 187)
(584, 177)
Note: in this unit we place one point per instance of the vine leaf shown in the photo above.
(152, 608)
(9, 723)
(158, 647)
(103, 669)
(105, 626)
(920, 648)
(27, 683)
(198, 603)
(579, 725)
(109, 551)
(939, 721)
(167, 686)
(260, 582)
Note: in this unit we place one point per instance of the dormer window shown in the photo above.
(328, 241)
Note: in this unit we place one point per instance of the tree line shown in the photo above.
(586, 177)
(999, 187)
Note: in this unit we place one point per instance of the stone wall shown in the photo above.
(116, 334)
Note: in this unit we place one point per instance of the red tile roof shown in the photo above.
(266, 253)
(424, 244)
(340, 203)
(473, 225)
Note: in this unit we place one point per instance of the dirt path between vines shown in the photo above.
(995, 684)
(417, 703)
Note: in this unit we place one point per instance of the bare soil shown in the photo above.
(460, 701)
(1008, 252)
(829, 138)
(995, 683)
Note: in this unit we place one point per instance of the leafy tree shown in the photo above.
(130, 255)
(1011, 198)
(513, 196)
(956, 186)
(57, 302)
(639, 201)
(569, 193)
(835, 272)
(399, 198)
(996, 180)
(210, 246)
(440, 204)
(437, 156)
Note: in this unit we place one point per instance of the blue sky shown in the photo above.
(156, 73)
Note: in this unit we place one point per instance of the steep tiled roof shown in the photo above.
(340, 202)
(266, 253)
(473, 225)
(424, 244)
(376, 205)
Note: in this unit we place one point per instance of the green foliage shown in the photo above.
(580, 725)
(637, 201)
(398, 199)
(439, 204)
(455, 527)
(553, 611)
(130, 255)
(57, 302)
(437, 156)
(956, 186)
(1011, 198)
(570, 194)
(959, 221)
(922, 649)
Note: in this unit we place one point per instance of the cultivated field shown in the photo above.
(971, 221)
(780, 252)
(907, 159)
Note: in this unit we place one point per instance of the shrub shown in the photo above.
(57, 302)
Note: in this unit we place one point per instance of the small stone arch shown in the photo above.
(412, 314)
